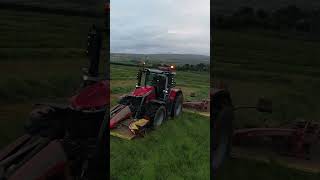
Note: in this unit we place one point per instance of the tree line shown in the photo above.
(286, 18)
(189, 67)
(183, 67)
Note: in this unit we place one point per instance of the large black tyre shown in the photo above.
(159, 116)
(222, 136)
(43, 121)
(156, 113)
(177, 106)
(222, 120)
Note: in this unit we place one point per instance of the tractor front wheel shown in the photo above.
(177, 106)
(159, 116)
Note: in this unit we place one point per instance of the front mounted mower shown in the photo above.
(154, 99)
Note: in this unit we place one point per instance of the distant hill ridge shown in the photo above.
(174, 58)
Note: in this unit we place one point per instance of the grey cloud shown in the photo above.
(146, 26)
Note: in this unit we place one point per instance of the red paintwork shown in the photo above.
(120, 115)
(151, 96)
(50, 161)
(93, 96)
(173, 94)
(203, 105)
(106, 8)
(297, 137)
(142, 90)
(168, 69)
(59, 169)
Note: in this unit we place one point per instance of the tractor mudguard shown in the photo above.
(220, 97)
(94, 96)
(173, 94)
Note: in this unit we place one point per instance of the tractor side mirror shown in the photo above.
(264, 105)
(165, 91)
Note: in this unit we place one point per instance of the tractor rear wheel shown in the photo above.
(177, 106)
(159, 116)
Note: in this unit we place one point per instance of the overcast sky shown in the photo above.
(160, 26)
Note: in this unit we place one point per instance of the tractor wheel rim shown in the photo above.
(159, 118)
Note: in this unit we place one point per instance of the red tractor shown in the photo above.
(152, 101)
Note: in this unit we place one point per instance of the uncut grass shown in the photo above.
(179, 149)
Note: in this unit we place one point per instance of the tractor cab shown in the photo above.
(160, 80)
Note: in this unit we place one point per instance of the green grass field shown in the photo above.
(280, 68)
(41, 56)
(179, 149)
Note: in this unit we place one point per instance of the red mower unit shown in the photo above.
(222, 111)
(202, 106)
(152, 101)
(296, 145)
(299, 140)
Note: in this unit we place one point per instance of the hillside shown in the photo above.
(163, 58)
